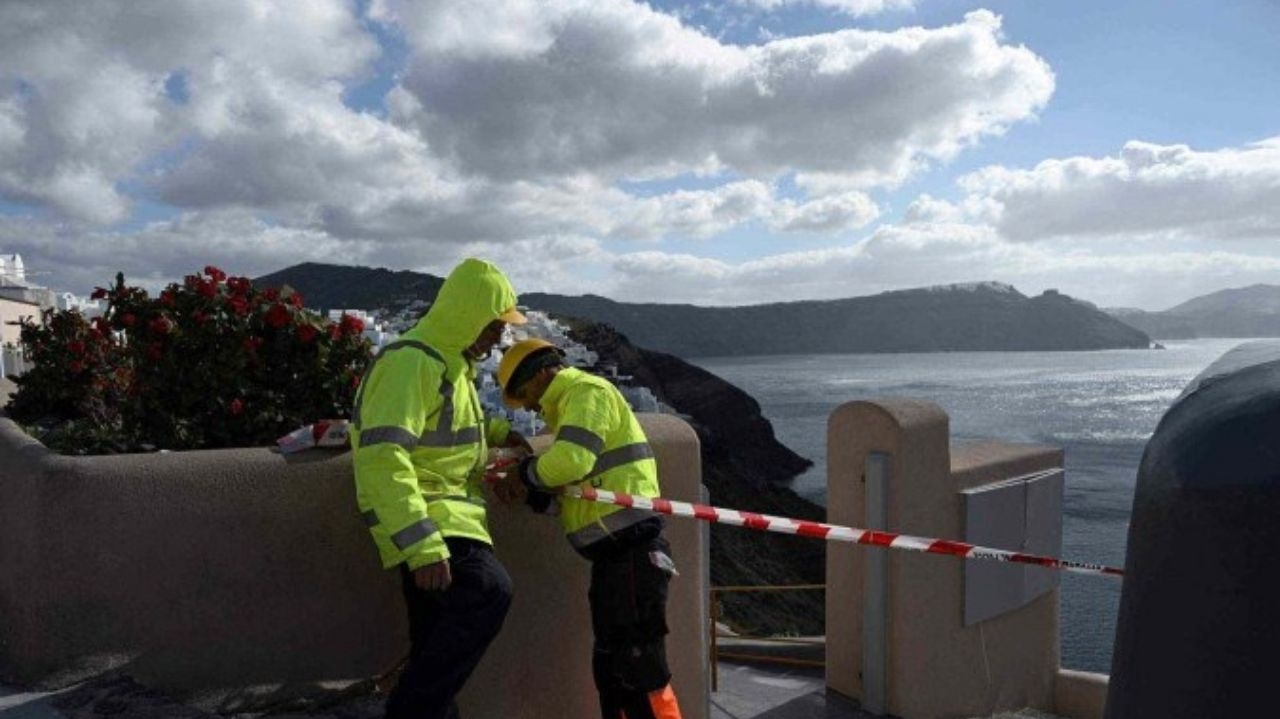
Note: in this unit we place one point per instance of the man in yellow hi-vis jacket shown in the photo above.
(599, 440)
(420, 444)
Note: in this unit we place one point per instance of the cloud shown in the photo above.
(616, 89)
(521, 130)
(514, 121)
(481, 211)
(85, 100)
(826, 214)
(162, 252)
(1146, 191)
(293, 144)
(855, 8)
(932, 253)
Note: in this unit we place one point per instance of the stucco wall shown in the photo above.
(214, 571)
(12, 311)
(1080, 695)
(936, 667)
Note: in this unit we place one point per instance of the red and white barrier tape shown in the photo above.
(326, 433)
(831, 532)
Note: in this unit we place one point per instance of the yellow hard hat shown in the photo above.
(511, 360)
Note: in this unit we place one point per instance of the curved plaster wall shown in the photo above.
(239, 573)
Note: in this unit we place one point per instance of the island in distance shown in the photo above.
(983, 316)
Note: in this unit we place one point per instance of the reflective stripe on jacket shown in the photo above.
(598, 440)
(417, 432)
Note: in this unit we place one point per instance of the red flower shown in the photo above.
(271, 294)
(200, 317)
(238, 305)
(295, 299)
(167, 298)
(98, 293)
(278, 316)
(239, 286)
(77, 367)
(352, 325)
(101, 324)
(215, 274)
(155, 351)
(236, 407)
(161, 325)
(75, 347)
(207, 289)
(127, 319)
(307, 333)
(335, 332)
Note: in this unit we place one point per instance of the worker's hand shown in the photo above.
(508, 488)
(433, 577)
(515, 440)
(494, 471)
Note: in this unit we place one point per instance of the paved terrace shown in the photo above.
(746, 691)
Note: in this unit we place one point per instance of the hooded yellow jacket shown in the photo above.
(418, 433)
(598, 440)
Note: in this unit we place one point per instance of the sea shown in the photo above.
(1100, 407)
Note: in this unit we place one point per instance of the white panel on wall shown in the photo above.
(1022, 514)
(1044, 530)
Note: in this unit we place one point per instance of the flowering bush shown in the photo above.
(211, 362)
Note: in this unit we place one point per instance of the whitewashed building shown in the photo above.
(12, 271)
(12, 312)
(87, 307)
(14, 284)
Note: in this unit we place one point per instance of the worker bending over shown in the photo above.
(598, 440)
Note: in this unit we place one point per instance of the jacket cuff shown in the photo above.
(527, 477)
(539, 502)
(497, 431)
(436, 552)
(536, 496)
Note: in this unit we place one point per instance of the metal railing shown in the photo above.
(716, 655)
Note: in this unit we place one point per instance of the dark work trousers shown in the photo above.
(629, 618)
(449, 631)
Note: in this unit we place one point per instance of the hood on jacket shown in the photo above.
(474, 294)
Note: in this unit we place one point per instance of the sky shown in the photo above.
(738, 152)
